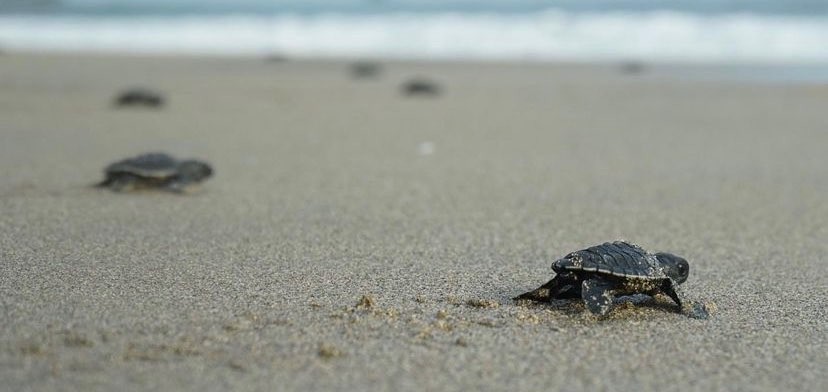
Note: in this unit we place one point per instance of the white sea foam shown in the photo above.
(549, 35)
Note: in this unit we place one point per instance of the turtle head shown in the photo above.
(676, 268)
(194, 171)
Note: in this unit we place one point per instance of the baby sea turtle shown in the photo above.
(421, 87)
(632, 67)
(365, 70)
(139, 97)
(276, 58)
(155, 171)
(600, 273)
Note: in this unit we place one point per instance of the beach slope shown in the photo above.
(357, 239)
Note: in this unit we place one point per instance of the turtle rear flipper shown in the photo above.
(598, 295)
(119, 183)
(103, 184)
(181, 187)
(557, 288)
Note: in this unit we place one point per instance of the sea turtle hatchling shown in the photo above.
(600, 273)
(155, 171)
(139, 97)
(421, 87)
(365, 70)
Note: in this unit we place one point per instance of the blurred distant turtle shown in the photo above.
(155, 171)
(600, 273)
(632, 67)
(139, 97)
(421, 87)
(276, 58)
(365, 70)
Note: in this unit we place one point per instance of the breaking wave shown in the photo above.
(547, 35)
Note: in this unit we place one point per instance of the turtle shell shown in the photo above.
(153, 165)
(619, 258)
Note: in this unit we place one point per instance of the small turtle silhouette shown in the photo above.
(155, 171)
(139, 97)
(600, 273)
(421, 87)
(276, 58)
(365, 70)
(632, 67)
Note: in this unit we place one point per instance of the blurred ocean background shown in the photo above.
(705, 31)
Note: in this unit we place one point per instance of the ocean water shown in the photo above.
(697, 31)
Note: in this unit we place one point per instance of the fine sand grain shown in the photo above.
(353, 239)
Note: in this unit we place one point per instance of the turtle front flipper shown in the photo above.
(670, 289)
(692, 309)
(559, 287)
(598, 295)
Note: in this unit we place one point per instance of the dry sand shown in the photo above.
(438, 210)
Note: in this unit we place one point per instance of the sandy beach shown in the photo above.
(437, 210)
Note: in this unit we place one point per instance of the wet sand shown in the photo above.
(437, 210)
